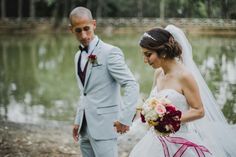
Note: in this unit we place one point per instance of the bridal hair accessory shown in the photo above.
(160, 114)
(149, 36)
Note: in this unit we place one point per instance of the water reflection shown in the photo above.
(37, 81)
(217, 64)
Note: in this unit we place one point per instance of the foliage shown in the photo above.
(124, 8)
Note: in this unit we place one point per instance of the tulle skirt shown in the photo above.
(153, 145)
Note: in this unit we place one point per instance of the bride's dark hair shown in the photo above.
(162, 42)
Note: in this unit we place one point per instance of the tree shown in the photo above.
(224, 9)
(140, 8)
(99, 9)
(209, 5)
(162, 9)
(19, 10)
(3, 11)
(32, 9)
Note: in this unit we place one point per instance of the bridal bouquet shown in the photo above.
(161, 114)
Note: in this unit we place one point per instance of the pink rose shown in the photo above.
(160, 109)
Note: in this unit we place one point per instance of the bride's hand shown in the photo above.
(121, 128)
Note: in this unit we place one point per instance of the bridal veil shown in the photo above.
(213, 129)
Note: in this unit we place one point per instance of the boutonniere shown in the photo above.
(93, 59)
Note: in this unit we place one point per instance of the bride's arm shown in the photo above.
(191, 92)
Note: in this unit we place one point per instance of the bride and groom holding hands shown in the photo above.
(103, 113)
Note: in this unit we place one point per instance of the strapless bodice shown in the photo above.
(175, 97)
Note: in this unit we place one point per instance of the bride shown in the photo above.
(204, 130)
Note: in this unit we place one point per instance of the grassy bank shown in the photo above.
(121, 25)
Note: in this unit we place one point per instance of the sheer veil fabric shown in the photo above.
(213, 129)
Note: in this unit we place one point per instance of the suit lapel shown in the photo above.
(90, 66)
(88, 72)
(76, 67)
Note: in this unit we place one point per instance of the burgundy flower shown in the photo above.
(170, 108)
(93, 59)
(142, 118)
(170, 120)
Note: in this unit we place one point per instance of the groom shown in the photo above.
(100, 72)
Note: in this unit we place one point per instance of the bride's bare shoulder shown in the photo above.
(187, 78)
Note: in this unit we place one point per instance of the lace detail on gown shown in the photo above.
(151, 144)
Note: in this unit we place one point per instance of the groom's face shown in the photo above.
(151, 58)
(83, 28)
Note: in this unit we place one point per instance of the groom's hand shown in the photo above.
(75, 132)
(121, 128)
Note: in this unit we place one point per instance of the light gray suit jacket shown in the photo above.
(100, 97)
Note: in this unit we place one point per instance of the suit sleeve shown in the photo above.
(77, 116)
(122, 74)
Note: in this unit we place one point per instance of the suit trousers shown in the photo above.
(91, 147)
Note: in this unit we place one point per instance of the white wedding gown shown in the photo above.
(151, 146)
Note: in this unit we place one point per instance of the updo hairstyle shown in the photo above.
(162, 42)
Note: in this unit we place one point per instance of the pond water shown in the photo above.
(38, 85)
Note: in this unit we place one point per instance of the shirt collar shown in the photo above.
(92, 44)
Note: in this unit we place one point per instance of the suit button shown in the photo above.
(85, 94)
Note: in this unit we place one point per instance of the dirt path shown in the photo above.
(28, 140)
(25, 140)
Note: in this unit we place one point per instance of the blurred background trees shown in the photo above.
(59, 9)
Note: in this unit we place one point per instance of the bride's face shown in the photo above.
(151, 58)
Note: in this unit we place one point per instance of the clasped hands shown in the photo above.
(121, 128)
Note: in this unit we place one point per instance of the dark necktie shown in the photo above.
(83, 48)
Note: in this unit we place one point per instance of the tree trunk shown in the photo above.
(208, 3)
(3, 11)
(32, 9)
(99, 9)
(19, 10)
(140, 8)
(3, 94)
(89, 4)
(56, 15)
(162, 10)
(224, 8)
(66, 7)
(189, 11)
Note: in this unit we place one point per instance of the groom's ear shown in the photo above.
(94, 22)
(70, 28)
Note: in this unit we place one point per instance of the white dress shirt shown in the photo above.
(84, 55)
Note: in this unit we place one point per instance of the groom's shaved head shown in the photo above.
(80, 12)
